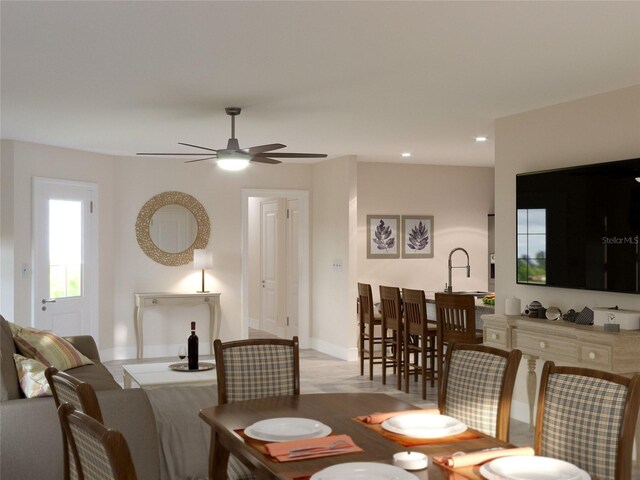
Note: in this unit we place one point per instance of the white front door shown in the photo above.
(65, 248)
(272, 226)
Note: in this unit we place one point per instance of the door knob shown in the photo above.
(48, 300)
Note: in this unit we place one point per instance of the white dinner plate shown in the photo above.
(363, 471)
(284, 429)
(531, 468)
(424, 425)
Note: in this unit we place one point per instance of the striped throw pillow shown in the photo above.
(47, 347)
(31, 375)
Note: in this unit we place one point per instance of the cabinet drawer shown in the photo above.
(177, 301)
(545, 346)
(595, 355)
(495, 336)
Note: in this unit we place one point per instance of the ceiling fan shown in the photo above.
(235, 158)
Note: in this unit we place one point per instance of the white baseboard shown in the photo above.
(343, 353)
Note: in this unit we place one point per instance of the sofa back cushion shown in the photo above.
(10, 385)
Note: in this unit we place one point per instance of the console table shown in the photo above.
(143, 300)
(565, 344)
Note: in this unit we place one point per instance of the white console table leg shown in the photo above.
(137, 322)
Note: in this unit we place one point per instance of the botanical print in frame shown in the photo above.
(417, 236)
(383, 235)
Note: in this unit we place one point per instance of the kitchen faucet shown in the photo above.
(449, 288)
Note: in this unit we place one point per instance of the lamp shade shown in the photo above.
(202, 258)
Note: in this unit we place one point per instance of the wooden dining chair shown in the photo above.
(67, 389)
(419, 340)
(391, 343)
(100, 453)
(588, 418)
(369, 330)
(257, 368)
(455, 322)
(477, 387)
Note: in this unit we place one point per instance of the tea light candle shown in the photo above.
(410, 460)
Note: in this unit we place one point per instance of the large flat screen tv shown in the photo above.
(579, 227)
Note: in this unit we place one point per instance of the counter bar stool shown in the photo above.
(368, 322)
(419, 340)
(392, 329)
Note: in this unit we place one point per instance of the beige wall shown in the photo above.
(333, 329)
(29, 160)
(459, 198)
(589, 130)
(125, 184)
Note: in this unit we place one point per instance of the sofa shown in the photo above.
(30, 435)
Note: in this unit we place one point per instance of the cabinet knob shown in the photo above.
(592, 355)
(543, 345)
(154, 301)
(206, 299)
(494, 336)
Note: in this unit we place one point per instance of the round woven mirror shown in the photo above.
(186, 226)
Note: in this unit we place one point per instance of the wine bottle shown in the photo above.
(192, 346)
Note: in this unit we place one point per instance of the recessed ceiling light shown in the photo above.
(481, 139)
(406, 154)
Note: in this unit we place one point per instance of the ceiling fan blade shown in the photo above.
(197, 146)
(263, 148)
(199, 159)
(292, 155)
(270, 161)
(173, 154)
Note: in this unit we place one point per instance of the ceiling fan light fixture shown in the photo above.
(233, 164)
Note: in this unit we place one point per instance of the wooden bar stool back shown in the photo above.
(392, 329)
(456, 322)
(369, 330)
(419, 340)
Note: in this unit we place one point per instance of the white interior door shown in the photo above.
(292, 283)
(272, 228)
(65, 246)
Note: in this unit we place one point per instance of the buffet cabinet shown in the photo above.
(565, 344)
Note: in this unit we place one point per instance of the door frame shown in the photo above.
(304, 259)
(93, 275)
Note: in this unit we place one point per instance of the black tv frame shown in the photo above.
(599, 254)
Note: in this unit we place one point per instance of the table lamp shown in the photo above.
(202, 258)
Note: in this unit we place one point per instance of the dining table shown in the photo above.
(340, 412)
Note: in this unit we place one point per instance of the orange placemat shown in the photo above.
(260, 446)
(413, 442)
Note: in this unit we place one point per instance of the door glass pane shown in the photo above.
(65, 248)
